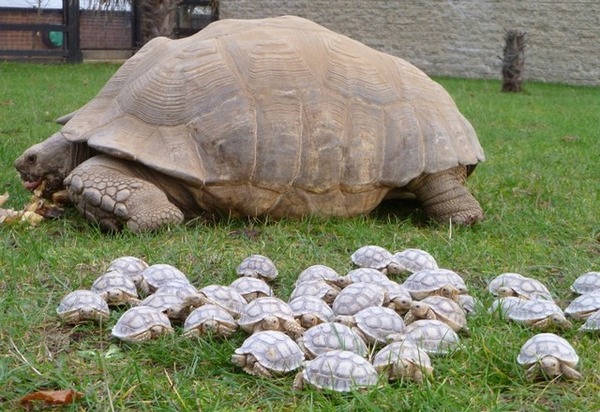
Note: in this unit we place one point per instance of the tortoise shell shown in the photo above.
(223, 296)
(592, 323)
(278, 117)
(403, 360)
(317, 272)
(154, 276)
(375, 323)
(431, 281)
(273, 350)
(338, 370)
(251, 288)
(83, 305)
(372, 256)
(504, 279)
(181, 288)
(552, 353)
(413, 260)
(367, 275)
(584, 305)
(310, 310)
(358, 296)
(168, 303)
(329, 336)
(209, 319)
(269, 313)
(443, 309)
(141, 323)
(586, 283)
(547, 344)
(318, 288)
(129, 265)
(115, 288)
(525, 287)
(257, 266)
(539, 313)
(433, 336)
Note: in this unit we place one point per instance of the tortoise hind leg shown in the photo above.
(444, 197)
(106, 191)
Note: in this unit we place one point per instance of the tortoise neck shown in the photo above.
(80, 152)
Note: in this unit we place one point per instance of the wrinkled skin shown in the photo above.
(50, 161)
(111, 192)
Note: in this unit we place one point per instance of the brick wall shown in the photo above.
(98, 30)
(105, 30)
(25, 40)
(461, 38)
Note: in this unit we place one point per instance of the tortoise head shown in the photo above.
(308, 320)
(550, 365)
(420, 309)
(49, 162)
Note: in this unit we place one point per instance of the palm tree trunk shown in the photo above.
(513, 61)
(157, 18)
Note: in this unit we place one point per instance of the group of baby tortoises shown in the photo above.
(527, 301)
(350, 329)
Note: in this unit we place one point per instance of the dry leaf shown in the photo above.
(50, 211)
(37, 193)
(10, 216)
(34, 212)
(61, 197)
(61, 397)
(43, 207)
(34, 205)
(32, 218)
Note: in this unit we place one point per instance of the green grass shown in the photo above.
(539, 188)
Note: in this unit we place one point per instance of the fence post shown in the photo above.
(71, 18)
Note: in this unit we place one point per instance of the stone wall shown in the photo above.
(462, 38)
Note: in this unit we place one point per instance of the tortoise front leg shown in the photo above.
(106, 192)
(532, 372)
(444, 197)
(570, 372)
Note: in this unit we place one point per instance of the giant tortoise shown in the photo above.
(276, 117)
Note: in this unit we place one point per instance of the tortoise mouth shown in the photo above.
(45, 185)
(30, 181)
(31, 185)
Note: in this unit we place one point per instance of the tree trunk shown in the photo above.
(513, 61)
(157, 18)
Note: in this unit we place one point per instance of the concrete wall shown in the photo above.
(461, 38)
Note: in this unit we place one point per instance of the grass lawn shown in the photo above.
(539, 188)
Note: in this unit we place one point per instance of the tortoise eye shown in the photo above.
(31, 158)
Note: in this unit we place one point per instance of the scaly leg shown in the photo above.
(444, 197)
(107, 192)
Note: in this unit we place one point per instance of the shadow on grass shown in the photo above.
(402, 210)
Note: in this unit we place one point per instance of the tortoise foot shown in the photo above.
(106, 192)
(445, 198)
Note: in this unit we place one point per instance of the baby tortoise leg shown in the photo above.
(444, 197)
(106, 191)
(570, 372)
(298, 384)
